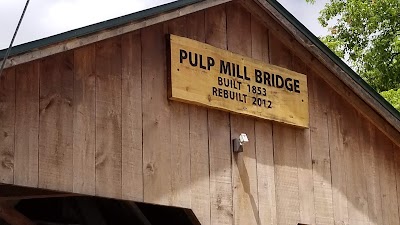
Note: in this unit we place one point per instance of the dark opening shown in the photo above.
(82, 210)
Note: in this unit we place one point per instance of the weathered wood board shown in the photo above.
(97, 121)
(209, 76)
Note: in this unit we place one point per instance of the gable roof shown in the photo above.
(103, 30)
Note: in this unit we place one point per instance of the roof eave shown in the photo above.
(381, 105)
(94, 28)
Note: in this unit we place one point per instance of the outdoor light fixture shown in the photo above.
(239, 142)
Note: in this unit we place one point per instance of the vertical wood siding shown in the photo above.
(84, 140)
(56, 122)
(96, 120)
(198, 138)
(132, 151)
(27, 125)
(7, 129)
(221, 192)
(108, 162)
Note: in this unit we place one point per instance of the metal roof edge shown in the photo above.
(321, 46)
(90, 29)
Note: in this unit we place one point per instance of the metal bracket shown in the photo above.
(237, 147)
(238, 143)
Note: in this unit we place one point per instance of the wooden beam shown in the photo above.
(13, 217)
(11, 192)
(340, 81)
(192, 217)
(98, 36)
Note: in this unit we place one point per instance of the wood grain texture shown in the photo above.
(286, 175)
(156, 118)
(371, 154)
(265, 173)
(219, 132)
(305, 50)
(263, 137)
(397, 169)
(198, 139)
(285, 156)
(237, 95)
(356, 185)
(27, 125)
(320, 150)
(180, 152)
(304, 162)
(84, 139)
(244, 167)
(259, 40)
(199, 164)
(220, 168)
(108, 118)
(359, 98)
(132, 156)
(245, 186)
(388, 183)
(56, 122)
(7, 129)
(338, 161)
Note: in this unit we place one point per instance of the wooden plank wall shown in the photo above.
(97, 121)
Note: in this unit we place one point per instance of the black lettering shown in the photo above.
(245, 73)
(258, 77)
(226, 82)
(225, 68)
(210, 62)
(220, 81)
(279, 81)
(238, 72)
(254, 101)
(234, 84)
(273, 80)
(226, 94)
(240, 83)
(232, 95)
(182, 55)
(191, 59)
(201, 62)
(297, 86)
(266, 78)
(219, 92)
(288, 84)
(214, 91)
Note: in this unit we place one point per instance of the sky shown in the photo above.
(44, 18)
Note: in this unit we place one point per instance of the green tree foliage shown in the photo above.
(393, 97)
(367, 33)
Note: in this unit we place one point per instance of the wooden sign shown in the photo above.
(205, 75)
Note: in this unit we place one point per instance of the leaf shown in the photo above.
(367, 34)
